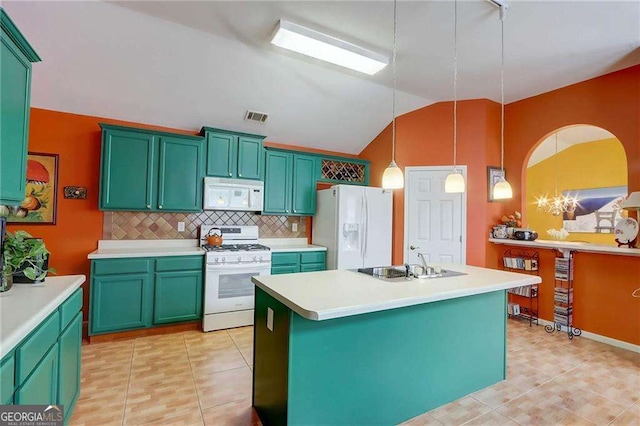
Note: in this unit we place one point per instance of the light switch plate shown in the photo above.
(294, 227)
(270, 319)
(180, 226)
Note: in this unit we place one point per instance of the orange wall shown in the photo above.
(603, 282)
(425, 138)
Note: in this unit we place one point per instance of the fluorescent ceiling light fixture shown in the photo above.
(327, 48)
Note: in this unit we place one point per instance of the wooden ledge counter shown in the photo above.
(340, 347)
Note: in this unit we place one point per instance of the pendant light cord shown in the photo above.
(393, 107)
(556, 164)
(455, 84)
(502, 13)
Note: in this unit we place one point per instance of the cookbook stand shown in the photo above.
(563, 295)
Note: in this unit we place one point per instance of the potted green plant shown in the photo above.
(25, 259)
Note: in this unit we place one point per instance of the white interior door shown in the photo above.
(434, 222)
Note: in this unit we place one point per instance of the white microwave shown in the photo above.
(233, 194)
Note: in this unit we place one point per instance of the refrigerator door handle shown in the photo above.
(361, 228)
(366, 225)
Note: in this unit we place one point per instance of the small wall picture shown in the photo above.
(39, 204)
(493, 176)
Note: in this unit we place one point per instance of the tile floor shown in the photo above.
(194, 378)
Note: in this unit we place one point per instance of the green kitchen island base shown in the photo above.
(381, 367)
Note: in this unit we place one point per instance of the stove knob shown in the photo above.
(224, 259)
(216, 260)
(260, 258)
(255, 258)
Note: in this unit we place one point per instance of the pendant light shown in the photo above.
(559, 204)
(502, 189)
(454, 183)
(392, 178)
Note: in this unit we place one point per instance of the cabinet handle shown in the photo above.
(239, 174)
(229, 174)
(294, 210)
(159, 207)
(148, 206)
(286, 211)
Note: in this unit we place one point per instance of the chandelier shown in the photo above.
(559, 204)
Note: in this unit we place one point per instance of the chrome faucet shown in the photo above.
(424, 262)
(428, 270)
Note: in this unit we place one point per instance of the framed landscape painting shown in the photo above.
(39, 204)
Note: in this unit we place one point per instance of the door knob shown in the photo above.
(413, 247)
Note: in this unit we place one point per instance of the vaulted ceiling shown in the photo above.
(186, 64)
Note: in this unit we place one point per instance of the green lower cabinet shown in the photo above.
(312, 267)
(121, 302)
(296, 261)
(70, 343)
(277, 270)
(41, 387)
(7, 379)
(178, 296)
(134, 293)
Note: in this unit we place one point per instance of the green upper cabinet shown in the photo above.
(290, 183)
(221, 154)
(129, 161)
(233, 154)
(277, 183)
(16, 56)
(250, 157)
(180, 174)
(143, 170)
(304, 185)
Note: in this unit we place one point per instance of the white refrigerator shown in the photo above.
(354, 223)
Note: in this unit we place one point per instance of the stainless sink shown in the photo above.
(385, 272)
(399, 273)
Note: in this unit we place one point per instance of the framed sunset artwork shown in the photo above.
(39, 204)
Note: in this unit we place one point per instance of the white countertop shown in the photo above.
(335, 294)
(283, 245)
(26, 305)
(570, 245)
(142, 248)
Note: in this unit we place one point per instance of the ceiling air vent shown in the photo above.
(256, 116)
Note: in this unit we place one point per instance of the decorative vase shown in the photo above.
(6, 282)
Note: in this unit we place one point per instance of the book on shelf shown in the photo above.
(513, 309)
(520, 263)
(563, 269)
(526, 291)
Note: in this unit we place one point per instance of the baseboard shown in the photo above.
(598, 338)
(153, 331)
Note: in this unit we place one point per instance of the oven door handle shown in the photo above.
(232, 266)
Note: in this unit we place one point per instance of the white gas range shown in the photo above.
(228, 290)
